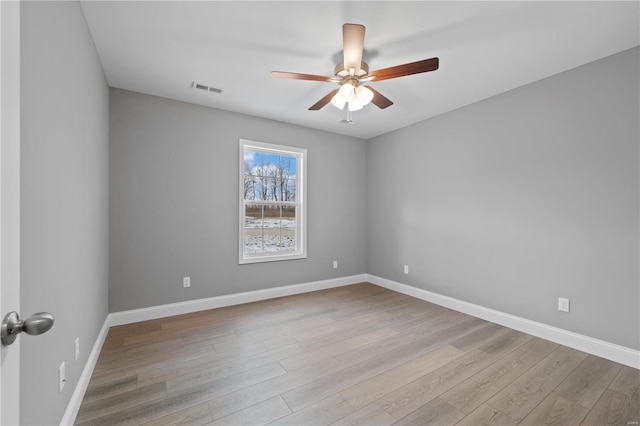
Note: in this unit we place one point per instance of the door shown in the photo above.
(9, 203)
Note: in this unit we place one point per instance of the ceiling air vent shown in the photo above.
(205, 87)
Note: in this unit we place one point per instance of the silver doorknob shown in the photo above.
(12, 325)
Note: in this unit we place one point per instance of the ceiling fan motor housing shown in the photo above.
(340, 71)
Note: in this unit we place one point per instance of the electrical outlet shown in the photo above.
(61, 377)
(335, 264)
(186, 282)
(406, 269)
(77, 348)
(563, 304)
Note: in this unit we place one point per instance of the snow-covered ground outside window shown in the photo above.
(269, 235)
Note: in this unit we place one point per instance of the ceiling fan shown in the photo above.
(353, 72)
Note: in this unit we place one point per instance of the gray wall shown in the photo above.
(174, 202)
(514, 201)
(64, 191)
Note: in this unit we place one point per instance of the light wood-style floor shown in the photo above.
(352, 355)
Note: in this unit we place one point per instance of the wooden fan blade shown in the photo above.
(352, 46)
(418, 67)
(379, 99)
(298, 76)
(322, 102)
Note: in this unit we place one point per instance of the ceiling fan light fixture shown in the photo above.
(338, 101)
(345, 94)
(347, 91)
(363, 95)
(356, 97)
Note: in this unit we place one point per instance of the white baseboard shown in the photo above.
(611, 351)
(154, 312)
(83, 382)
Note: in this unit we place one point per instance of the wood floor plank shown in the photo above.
(198, 415)
(118, 332)
(321, 413)
(376, 387)
(370, 415)
(479, 337)
(435, 412)
(439, 319)
(627, 381)
(487, 416)
(378, 303)
(412, 307)
(412, 396)
(159, 336)
(214, 370)
(424, 308)
(204, 377)
(122, 401)
(555, 410)
(589, 381)
(116, 349)
(614, 408)
(103, 390)
(288, 324)
(260, 414)
(476, 390)
(143, 371)
(120, 365)
(311, 357)
(350, 330)
(253, 346)
(339, 326)
(620, 403)
(215, 338)
(505, 343)
(528, 390)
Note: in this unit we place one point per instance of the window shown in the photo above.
(272, 202)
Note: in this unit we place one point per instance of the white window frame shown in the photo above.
(300, 203)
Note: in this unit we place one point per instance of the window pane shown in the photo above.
(269, 177)
(269, 229)
(253, 241)
(286, 178)
(289, 227)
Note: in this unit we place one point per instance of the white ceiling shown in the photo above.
(485, 48)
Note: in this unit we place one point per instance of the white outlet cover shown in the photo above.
(406, 269)
(335, 264)
(186, 282)
(563, 304)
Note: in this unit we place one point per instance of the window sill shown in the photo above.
(273, 258)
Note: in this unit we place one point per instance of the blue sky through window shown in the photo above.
(269, 176)
(258, 159)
